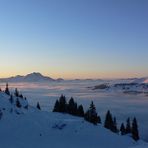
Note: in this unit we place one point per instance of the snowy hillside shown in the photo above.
(22, 127)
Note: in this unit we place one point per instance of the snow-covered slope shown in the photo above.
(32, 128)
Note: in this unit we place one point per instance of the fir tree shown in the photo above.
(11, 99)
(7, 89)
(135, 132)
(75, 109)
(71, 106)
(18, 104)
(114, 128)
(16, 93)
(56, 106)
(128, 126)
(91, 115)
(108, 121)
(1, 114)
(62, 104)
(80, 111)
(21, 96)
(122, 129)
(38, 106)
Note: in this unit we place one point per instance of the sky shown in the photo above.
(74, 38)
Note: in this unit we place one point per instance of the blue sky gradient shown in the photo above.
(74, 38)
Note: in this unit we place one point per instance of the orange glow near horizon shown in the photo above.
(76, 75)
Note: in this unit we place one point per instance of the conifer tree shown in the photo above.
(11, 99)
(80, 111)
(38, 106)
(18, 104)
(114, 128)
(62, 104)
(56, 106)
(21, 96)
(128, 126)
(7, 89)
(108, 121)
(135, 132)
(71, 106)
(16, 93)
(122, 129)
(1, 114)
(75, 109)
(91, 115)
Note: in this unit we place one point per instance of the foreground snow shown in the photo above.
(122, 105)
(22, 128)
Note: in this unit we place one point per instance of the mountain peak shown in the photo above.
(32, 77)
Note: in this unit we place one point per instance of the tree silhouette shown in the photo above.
(7, 89)
(11, 99)
(91, 115)
(108, 121)
(71, 107)
(135, 132)
(1, 114)
(18, 104)
(16, 93)
(62, 104)
(128, 126)
(38, 106)
(114, 128)
(122, 129)
(80, 111)
(56, 106)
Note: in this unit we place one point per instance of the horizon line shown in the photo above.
(76, 78)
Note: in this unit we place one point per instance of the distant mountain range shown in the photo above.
(38, 77)
(141, 80)
(32, 77)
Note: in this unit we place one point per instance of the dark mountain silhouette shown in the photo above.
(32, 77)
